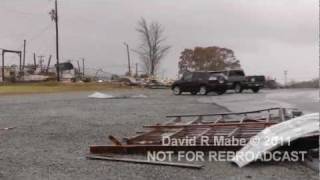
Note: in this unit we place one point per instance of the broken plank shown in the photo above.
(141, 149)
(114, 140)
(140, 161)
(226, 113)
(253, 124)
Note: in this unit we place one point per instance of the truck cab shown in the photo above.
(238, 81)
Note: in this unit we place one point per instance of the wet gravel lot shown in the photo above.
(53, 133)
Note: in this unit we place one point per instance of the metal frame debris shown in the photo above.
(239, 125)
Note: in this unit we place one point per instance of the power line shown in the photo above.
(40, 33)
(16, 11)
(36, 35)
(30, 13)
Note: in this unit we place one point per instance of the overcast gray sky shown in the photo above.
(267, 36)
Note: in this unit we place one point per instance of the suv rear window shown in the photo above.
(187, 77)
(200, 76)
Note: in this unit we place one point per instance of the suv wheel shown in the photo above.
(176, 90)
(203, 90)
(256, 89)
(238, 88)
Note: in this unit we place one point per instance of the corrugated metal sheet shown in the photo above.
(293, 129)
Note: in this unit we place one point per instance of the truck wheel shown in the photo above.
(256, 89)
(194, 92)
(238, 88)
(203, 90)
(176, 90)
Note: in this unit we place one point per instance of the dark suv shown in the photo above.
(200, 82)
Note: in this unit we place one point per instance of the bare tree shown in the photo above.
(151, 50)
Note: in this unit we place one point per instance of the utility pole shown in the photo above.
(128, 54)
(2, 69)
(285, 78)
(57, 40)
(79, 66)
(136, 69)
(79, 70)
(40, 62)
(49, 61)
(24, 54)
(34, 61)
(20, 63)
(83, 67)
(54, 17)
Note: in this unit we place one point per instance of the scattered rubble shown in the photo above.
(156, 84)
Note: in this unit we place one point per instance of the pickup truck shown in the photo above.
(237, 80)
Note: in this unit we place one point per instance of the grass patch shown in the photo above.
(53, 87)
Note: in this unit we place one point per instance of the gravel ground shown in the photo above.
(53, 133)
